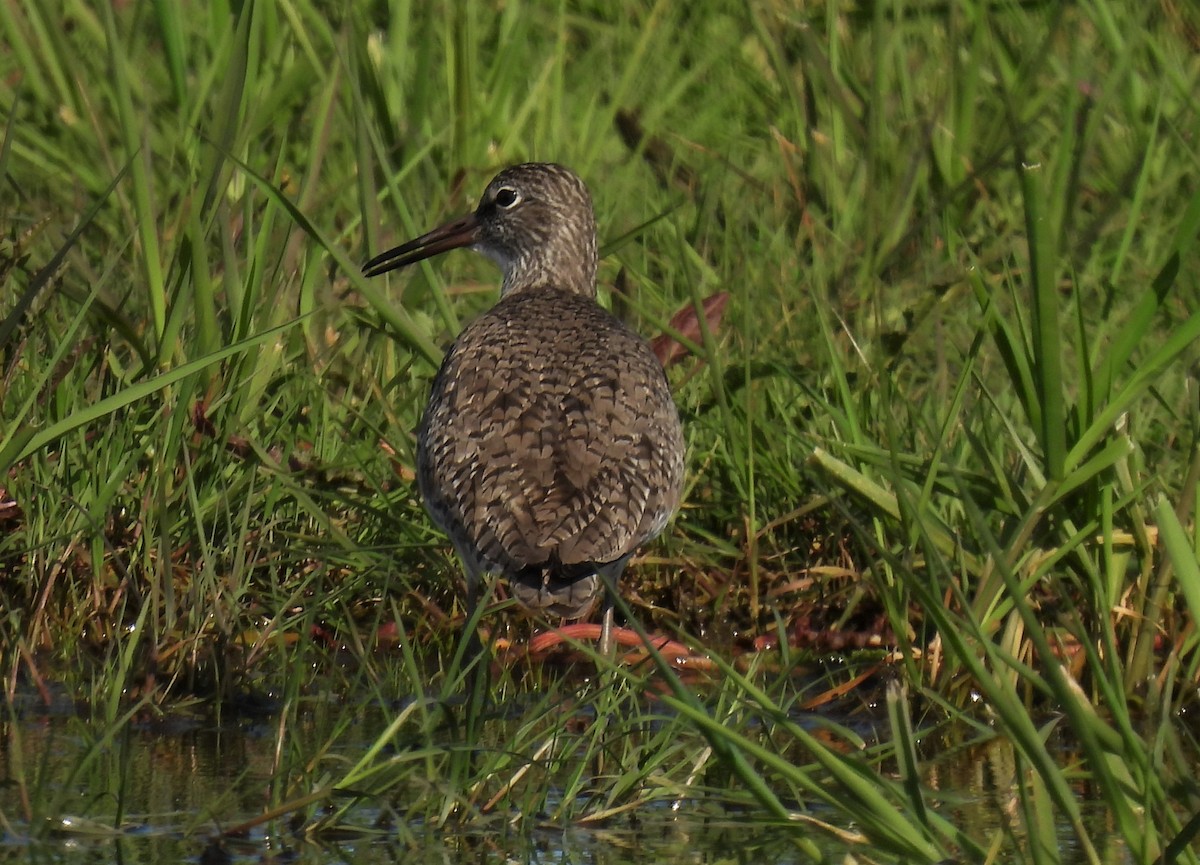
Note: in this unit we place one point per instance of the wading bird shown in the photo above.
(550, 449)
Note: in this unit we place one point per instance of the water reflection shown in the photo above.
(161, 792)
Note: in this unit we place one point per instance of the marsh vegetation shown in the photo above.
(929, 283)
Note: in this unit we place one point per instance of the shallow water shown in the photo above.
(166, 791)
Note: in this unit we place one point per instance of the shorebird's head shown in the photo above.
(535, 221)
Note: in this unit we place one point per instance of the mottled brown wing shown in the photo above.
(550, 436)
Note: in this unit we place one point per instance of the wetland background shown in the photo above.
(928, 281)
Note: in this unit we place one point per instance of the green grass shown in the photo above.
(952, 395)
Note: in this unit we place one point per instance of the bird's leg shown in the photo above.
(606, 674)
(472, 647)
(478, 676)
(610, 578)
(606, 626)
(474, 644)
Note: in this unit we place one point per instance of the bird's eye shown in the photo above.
(507, 197)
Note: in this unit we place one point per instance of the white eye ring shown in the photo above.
(507, 197)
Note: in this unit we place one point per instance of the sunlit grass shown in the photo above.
(951, 396)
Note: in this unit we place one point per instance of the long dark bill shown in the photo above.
(453, 235)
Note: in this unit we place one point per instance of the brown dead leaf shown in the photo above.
(685, 322)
